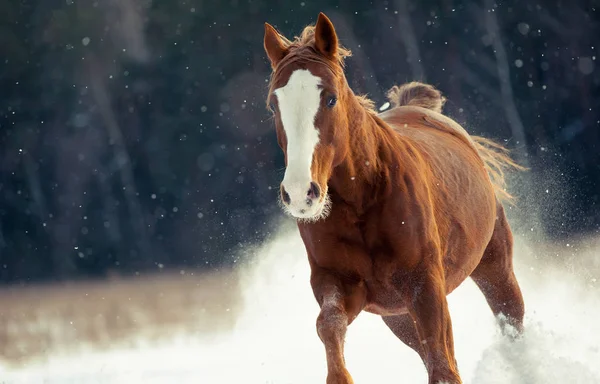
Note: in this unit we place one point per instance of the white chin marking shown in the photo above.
(298, 103)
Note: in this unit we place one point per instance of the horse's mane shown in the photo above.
(303, 48)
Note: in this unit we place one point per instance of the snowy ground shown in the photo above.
(274, 339)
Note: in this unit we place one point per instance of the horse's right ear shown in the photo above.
(275, 46)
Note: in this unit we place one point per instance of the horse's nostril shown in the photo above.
(314, 192)
(285, 196)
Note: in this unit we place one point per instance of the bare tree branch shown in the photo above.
(360, 61)
(475, 81)
(410, 41)
(2, 241)
(35, 187)
(122, 156)
(512, 114)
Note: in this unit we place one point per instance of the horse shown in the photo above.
(395, 209)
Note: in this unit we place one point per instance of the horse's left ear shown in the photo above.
(326, 39)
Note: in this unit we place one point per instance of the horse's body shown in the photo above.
(399, 207)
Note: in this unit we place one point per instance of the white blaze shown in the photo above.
(298, 103)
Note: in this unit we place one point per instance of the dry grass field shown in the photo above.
(38, 320)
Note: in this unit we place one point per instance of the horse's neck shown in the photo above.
(358, 177)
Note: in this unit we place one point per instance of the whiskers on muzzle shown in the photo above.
(323, 209)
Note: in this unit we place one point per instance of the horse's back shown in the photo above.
(404, 118)
(438, 137)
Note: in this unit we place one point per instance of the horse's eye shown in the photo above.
(331, 101)
(272, 107)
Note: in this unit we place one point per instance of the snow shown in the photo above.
(275, 339)
(385, 106)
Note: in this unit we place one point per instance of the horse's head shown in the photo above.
(308, 97)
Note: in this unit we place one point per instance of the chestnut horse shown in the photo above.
(395, 209)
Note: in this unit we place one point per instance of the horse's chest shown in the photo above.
(387, 284)
(384, 297)
(393, 259)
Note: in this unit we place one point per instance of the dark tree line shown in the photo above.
(134, 136)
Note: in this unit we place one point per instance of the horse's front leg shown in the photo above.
(340, 304)
(429, 309)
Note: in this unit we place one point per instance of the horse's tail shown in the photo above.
(418, 95)
(496, 159)
(495, 156)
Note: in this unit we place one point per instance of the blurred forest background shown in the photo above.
(134, 134)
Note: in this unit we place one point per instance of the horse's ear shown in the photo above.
(275, 46)
(326, 39)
